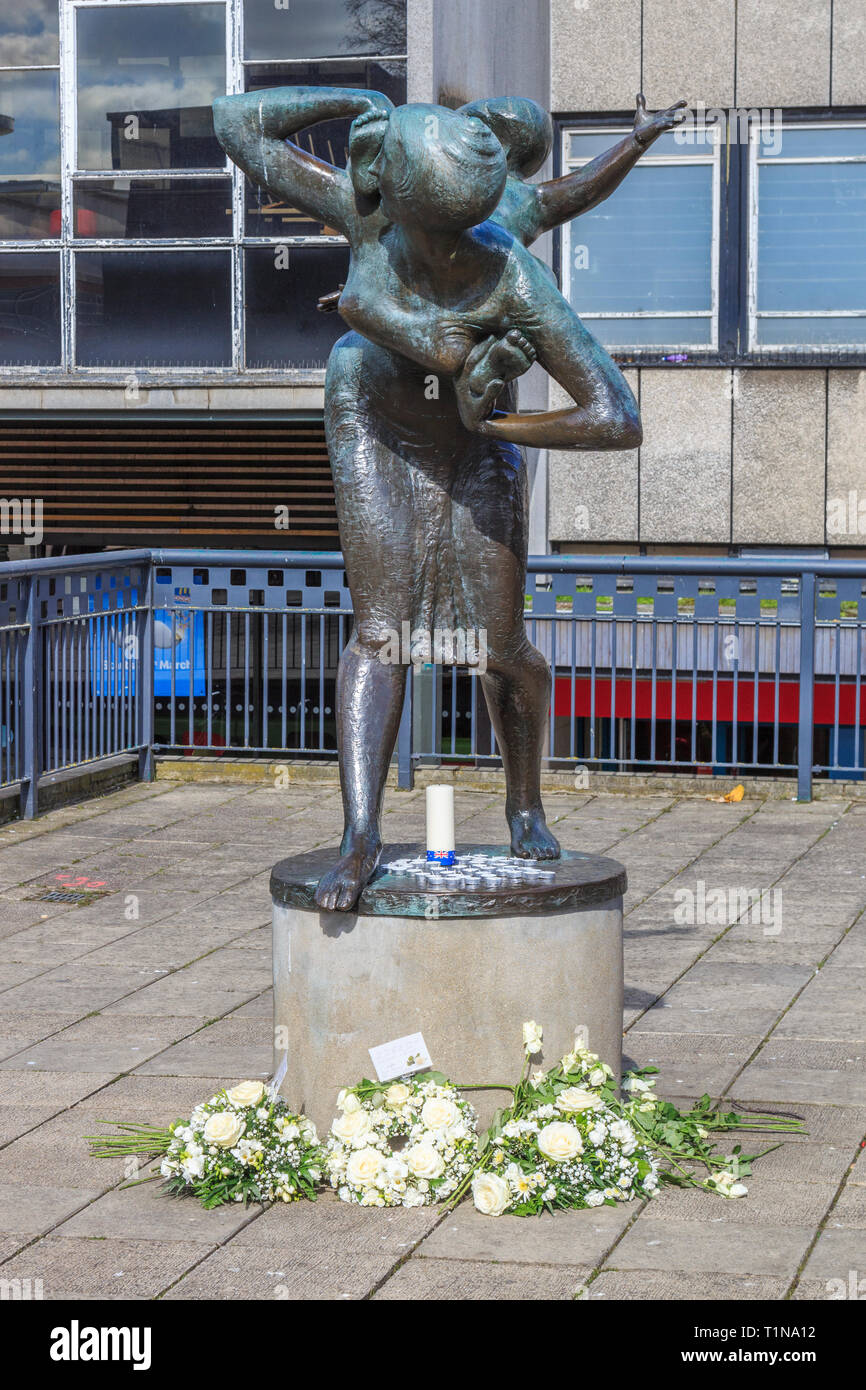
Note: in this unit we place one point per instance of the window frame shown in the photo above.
(756, 162)
(738, 193)
(650, 160)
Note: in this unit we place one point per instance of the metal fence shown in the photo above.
(708, 665)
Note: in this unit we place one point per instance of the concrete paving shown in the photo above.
(146, 999)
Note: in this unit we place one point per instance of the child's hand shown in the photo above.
(649, 126)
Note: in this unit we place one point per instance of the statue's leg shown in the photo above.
(369, 702)
(376, 509)
(517, 690)
(489, 524)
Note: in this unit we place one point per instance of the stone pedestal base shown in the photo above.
(346, 982)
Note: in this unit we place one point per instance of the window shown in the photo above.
(29, 155)
(641, 268)
(153, 309)
(30, 309)
(734, 244)
(147, 76)
(275, 29)
(128, 243)
(29, 33)
(282, 287)
(807, 282)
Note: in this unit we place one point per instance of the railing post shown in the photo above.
(405, 767)
(145, 683)
(31, 683)
(806, 731)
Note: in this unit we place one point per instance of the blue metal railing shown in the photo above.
(716, 665)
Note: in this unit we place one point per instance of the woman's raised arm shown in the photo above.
(254, 128)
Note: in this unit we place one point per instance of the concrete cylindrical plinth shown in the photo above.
(464, 967)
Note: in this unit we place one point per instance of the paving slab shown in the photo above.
(657, 1242)
(568, 1238)
(474, 1281)
(837, 1251)
(94, 1268)
(148, 1213)
(35, 1208)
(671, 1285)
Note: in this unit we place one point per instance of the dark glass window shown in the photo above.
(30, 309)
(283, 284)
(28, 32)
(29, 155)
(810, 272)
(323, 28)
(328, 140)
(178, 208)
(153, 308)
(147, 78)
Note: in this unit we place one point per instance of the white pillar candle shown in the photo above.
(440, 824)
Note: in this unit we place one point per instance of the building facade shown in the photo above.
(161, 352)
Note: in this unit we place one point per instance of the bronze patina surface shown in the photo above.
(447, 308)
(579, 881)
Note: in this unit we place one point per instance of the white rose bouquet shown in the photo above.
(558, 1147)
(404, 1143)
(240, 1146)
(567, 1140)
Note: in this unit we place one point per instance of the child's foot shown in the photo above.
(501, 359)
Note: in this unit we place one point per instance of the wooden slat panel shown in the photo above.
(104, 483)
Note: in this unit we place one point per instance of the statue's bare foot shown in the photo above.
(499, 359)
(339, 889)
(530, 836)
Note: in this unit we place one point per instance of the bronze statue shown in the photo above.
(447, 308)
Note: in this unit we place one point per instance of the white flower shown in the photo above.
(425, 1162)
(224, 1129)
(738, 1189)
(396, 1168)
(532, 1035)
(364, 1167)
(348, 1103)
(622, 1132)
(596, 1076)
(594, 1198)
(538, 1077)
(397, 1095)
(352, 1125)
(575, 1099)
(413, 1198)
(598, 1133)
(246, 1093)
(193, 1166)
(439, 1113)
(490, 1194)
(560, 1141)
(636, 1085)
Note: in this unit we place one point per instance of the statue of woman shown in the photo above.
(447, 308)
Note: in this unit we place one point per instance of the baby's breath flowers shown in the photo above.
(242, 1145)
(405, 1143)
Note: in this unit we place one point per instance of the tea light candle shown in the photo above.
(440, 824)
